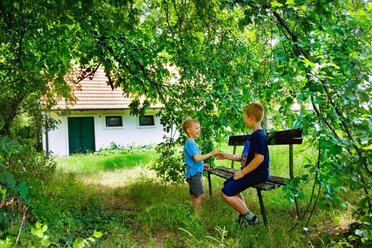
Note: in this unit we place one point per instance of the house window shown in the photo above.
(146, 120)
(114, 121)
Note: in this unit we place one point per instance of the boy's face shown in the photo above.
(194, 131)
(249, 120)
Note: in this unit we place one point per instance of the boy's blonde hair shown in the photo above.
(188, 123)
(255, 109)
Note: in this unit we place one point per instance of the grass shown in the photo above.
(88, 164)
(115, 193)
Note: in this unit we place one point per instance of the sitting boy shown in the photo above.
(254, 165)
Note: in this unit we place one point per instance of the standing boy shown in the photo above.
(194, 163)
(254, 165)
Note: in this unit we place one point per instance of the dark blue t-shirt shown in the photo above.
(257, 143)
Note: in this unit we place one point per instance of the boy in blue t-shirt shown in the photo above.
(254, 165)
(194, 163)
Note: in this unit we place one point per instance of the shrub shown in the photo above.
(23, 160)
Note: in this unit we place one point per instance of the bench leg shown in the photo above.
(263, 211)
(209, 183)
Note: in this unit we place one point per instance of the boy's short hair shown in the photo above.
(255, 109)
(188, 123)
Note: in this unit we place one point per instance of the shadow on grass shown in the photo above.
(148, 213)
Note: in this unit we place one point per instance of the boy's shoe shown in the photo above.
(243, 222)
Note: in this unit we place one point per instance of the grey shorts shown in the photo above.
(195, 184)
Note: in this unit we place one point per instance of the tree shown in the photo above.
(207, 59)
(322, 59)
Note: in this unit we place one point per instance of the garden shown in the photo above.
(308, 62)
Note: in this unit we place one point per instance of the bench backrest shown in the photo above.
(284, 137)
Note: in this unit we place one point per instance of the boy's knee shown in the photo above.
(223, 195)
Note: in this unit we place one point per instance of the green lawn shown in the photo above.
(144, 212)
(86, 164)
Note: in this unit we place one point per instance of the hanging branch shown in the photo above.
(339, 113)
(347, 129)
(312, 192)
(158, 87)
(313, 189)
(85, 75)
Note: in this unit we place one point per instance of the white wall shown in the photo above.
(57, 138)
(129, 134)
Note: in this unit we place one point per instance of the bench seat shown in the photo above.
(271, 183)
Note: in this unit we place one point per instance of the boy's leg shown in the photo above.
(196, 191)
(231, 193)
(192, 201)
(237, 203)
(240, 195)
(246, 217)
(198, 201)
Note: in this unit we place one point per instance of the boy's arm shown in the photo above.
(200, 157)
(223, 155)
(256, 161)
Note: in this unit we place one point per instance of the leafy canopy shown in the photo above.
(206, 59)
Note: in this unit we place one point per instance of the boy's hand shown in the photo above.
(221, 155)
(215, 152)
(207, 166)
(238, 175)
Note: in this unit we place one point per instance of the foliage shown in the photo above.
(332, 82)
(40, 239)
(206, 60)
(172, 168)
(20, 165)
(23, 160)
(13, 203)
(129, 149)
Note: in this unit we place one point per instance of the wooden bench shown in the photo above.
(285, 137)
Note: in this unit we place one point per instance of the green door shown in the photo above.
(81, 134)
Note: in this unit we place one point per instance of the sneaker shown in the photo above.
(244, 222)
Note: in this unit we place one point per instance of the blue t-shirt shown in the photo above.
(256, 143)
(190, 150)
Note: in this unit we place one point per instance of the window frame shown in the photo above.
(141, 125)
(114, 116)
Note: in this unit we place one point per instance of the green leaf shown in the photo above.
(275, 4)
(23, 191)
(97, 234)
(369, 7)
(368, 148)
(289, 2)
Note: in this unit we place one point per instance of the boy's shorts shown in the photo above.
(195, 184)
(234, 187)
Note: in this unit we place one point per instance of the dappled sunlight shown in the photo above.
(120, 177)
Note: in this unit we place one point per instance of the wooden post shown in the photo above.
(209, 183)
(232, 161)
(263, 211)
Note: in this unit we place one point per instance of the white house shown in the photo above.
(99, 117)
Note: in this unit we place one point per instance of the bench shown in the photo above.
(285, 137)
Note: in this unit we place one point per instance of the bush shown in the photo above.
(115, 148)
(24, 161)
(20, 165)
(169, 166)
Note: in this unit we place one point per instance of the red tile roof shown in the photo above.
(95, 93)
